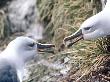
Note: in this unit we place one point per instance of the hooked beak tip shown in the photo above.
(67, 38)
(73, 38)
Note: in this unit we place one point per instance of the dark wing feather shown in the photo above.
(7, 72)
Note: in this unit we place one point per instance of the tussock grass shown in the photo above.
(63, 17)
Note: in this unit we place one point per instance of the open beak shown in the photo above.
(45, 48)
(74, 38)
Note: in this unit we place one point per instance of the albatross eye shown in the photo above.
(31, 44)
(87, 28)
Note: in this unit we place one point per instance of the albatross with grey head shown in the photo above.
(94, 27)
(14, 57)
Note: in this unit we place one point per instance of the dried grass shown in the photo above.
(63, 17)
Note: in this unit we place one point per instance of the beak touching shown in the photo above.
(74, 38)
(45, 47)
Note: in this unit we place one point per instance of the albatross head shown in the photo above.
(94, 27)
(25, 48)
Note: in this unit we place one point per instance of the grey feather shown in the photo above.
(7, 72)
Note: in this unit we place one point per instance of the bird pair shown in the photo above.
(23, 49)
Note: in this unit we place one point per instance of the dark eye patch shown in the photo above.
(87, 28)
(31, 44)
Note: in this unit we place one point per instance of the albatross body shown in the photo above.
(14, 57)
(94, 27)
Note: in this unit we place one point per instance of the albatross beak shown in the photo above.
(45, 47)
(74, 38)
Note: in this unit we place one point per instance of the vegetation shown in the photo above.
(86, 61)
(63, 17)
